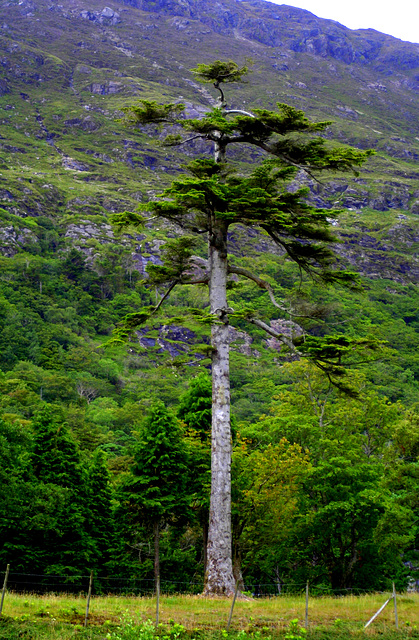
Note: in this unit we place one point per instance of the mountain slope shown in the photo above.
(68, 68)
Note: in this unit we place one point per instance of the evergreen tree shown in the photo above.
(155, 492)
(195, 410)
(55, 457)
(15, 443)
(100, 523)
(210, 200)
(64, 546)
(195, 406)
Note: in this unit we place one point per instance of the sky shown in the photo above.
(399, 18)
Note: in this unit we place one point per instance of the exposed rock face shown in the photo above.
(289, 329)
(74, 165)
(171, 339)
(105, 88)
(242, 342)
(415, 208)
(276, 26)
(13, 240)
(87, 230)
(177, 341)
(106, 17)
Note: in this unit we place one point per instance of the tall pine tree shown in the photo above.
(211, 200)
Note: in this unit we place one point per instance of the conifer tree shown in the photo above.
(155, 492)
(194, 409)
(100, 524)
(65, 547)
(210, 200)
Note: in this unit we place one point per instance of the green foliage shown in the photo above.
(156, 486)
(129, 630)
(295, 632)
(61, 298)
(220, 71)
(176, 256)
(149, 112)
(195, 406)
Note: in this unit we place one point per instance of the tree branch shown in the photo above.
(261, 283)
(279, 336)
(240, 111)
(271, 150)
(165, 296)
(203, 280)
(200, 135)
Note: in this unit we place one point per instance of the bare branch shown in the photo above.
(261, 283)
(240, 111)
(192, 138)
(275, 334)
(203, 280)
(165, 296)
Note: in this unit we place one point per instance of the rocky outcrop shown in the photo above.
(106, 17)
(296, 29)
(85, 230)
(178, 340)
(13, 240)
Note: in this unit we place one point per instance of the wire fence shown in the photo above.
(87, 585)
(136, 586)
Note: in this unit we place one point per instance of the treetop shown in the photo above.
(220, 71)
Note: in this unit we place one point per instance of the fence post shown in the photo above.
(232, 605)
(4, 587)
(395, 606)
(306, 621)
(89, 593)
(378, 612)
(157, 600)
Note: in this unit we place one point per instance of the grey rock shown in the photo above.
(13, 240)
(86, 230)
(415, 208)
(74, 165)
(107, 12)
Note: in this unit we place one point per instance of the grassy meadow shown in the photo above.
(53, 617)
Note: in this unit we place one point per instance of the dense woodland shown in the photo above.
(100, 442)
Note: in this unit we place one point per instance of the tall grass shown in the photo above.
(62, 616)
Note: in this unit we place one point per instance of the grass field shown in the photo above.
(56, 617)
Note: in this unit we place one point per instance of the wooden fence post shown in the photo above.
(395, 606)
(88, 598)
(4, 587)
(306, 621)
(157, 600)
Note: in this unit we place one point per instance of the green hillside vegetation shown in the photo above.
(325, 484)
(357, 458)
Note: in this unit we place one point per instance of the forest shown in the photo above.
(99, 442)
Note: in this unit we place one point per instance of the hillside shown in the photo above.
(68, 68)
(68, 162)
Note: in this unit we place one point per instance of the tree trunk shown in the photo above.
(219, 578)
